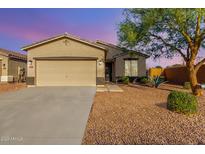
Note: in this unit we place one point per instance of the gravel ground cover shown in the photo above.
(5, 87)
(139, 116)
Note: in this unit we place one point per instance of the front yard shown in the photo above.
(5, 87)
(139, 116)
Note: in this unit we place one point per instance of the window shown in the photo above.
(131, 67)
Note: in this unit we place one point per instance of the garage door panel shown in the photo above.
(66, 73)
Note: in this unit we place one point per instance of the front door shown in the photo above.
(108, 71)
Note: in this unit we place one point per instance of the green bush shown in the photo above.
(144, 80)
(187, 85)
(182, 102)
(125, 79)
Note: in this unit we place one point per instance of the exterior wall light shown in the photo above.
(100, 62)
(30, 62)
(4, 66)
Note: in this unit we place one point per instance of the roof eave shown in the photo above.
(117, 47)
(12, 54)
(125, 53)
(25, 48)
(17, 57)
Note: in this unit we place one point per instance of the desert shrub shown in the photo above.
(182, 102)
(125, 79)
(144, 80)
(162, 78)
(187, 85)
(141, 77)
(158, 80)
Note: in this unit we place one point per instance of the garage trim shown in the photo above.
(63, 58)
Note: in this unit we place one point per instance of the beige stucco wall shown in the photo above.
(0, 67)
(13, 65)
(73, 48)
(4, 60)
(120, 65)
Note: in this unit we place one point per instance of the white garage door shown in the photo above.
(66, 73)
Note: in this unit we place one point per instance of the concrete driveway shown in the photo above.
(45, 115)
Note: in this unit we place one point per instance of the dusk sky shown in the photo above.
(21, 27)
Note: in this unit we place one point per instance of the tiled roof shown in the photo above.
(65, 35)
(13, 54)
(122, 49)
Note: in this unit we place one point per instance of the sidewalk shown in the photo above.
(109, 88)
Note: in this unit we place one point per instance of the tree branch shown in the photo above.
(197, 66)
(198, 39)
(171, 46)
(183, 33)
(202, 36)
(188, 52)
(187, 37)
(197, 32)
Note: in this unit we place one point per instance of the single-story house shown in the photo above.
(11, 64)
(119, 62)
(67, 60)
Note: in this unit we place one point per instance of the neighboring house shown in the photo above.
(66, 60)
(10, 65)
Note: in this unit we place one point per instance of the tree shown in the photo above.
(166, 32)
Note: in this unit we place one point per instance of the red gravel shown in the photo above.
(139, 116)
(5, 87)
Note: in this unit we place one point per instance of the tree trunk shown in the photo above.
(196, 90)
